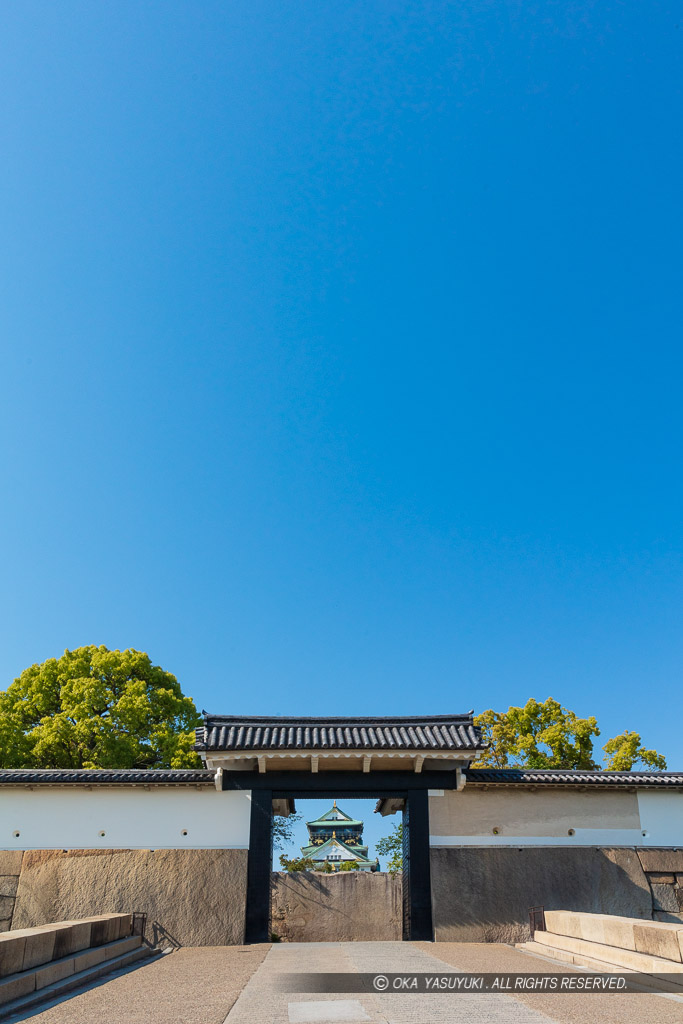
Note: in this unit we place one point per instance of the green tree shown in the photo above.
(391, 846)
(96, 708)
(283, 830)
(348, 865)
(547, 735)
(626, 751)
(296, 863)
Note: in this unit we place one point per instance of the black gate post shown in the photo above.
(417, 874)
(259, 867)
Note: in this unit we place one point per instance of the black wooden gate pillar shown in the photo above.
(408, 786)
(259, 867)
(417, 886)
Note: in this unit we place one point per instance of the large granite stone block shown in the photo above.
(483, 894)
(103, 929)
(659, 859)
(10, 862)
(658, 939)
(345, 907)
(607, 929)
(39, 948)
(8, 885)
(11, 953)
(73, 937)
(664, 898)
(173, 887)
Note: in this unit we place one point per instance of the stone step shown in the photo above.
(25, 948)
(25, 983)
(609, 956)
(116, 960)
(646, 981)
(656, 938)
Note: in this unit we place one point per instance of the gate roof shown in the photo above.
(443, 733)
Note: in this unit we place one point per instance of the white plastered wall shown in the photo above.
(555, 817)
(76, 818)
(661, 817)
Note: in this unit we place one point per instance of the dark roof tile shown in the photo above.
(443, 732)
(566, 776)
(120, 776)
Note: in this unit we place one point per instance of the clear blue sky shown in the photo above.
(341, 351)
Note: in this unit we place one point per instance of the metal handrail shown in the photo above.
(536, 920)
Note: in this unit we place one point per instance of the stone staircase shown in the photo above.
(607, 943)
(39, 964)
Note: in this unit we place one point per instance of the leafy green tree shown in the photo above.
(296, 863)
(626, 751)
(96, 708)
(348, 865)
(391, 846)
(537, 736)
(283, 830)
(547, 735)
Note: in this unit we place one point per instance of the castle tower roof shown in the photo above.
(335, 815)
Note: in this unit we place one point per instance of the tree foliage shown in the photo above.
(283, 830)
(547, 735)
(96, 708)
(391, 846)
(296, 863)
(626, 751)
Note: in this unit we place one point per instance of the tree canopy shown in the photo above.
(546, 735)
(296, 863)
(626, 751)
(96, 708)
(283, 830)
(391, 846)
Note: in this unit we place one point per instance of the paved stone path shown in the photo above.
(193, 985)
(570, 1008)
(203, 986)
(262, 1002)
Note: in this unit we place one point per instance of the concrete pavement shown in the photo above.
(239, 985)
(193, 985)
(262, 1003)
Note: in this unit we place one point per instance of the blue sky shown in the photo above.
(341, 354)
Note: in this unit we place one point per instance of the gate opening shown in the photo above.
(337, 873)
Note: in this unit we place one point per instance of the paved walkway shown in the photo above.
(261, 1002)
(241, 985)
(193, 985)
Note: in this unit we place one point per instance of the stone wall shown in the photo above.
(10, 869)
(664, 872)
(198, 897)
(191, 897)
(483, 894)
(309, 906)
